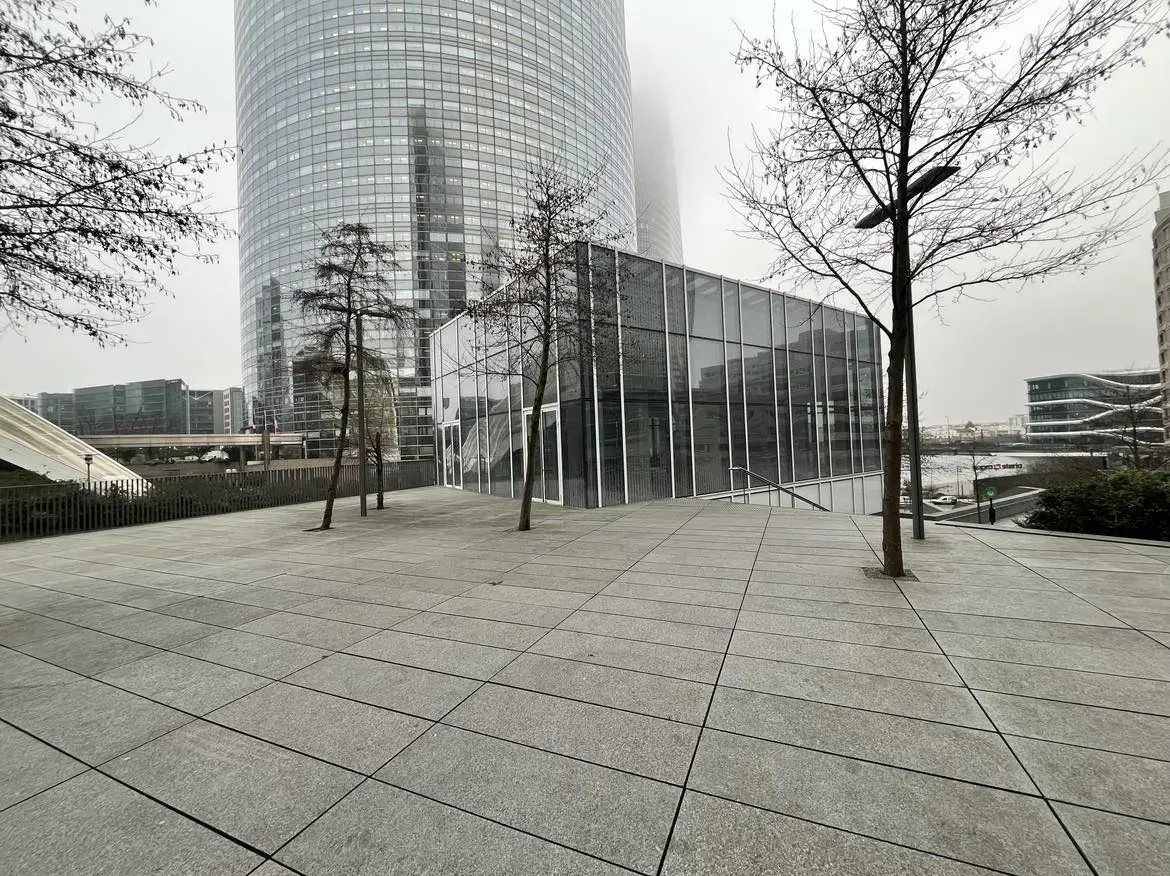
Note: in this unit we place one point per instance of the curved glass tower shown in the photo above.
(418, 118)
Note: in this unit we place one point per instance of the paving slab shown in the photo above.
(1122, 783)
(260, 655)
(646, 746)
(87, 652)
(182, 682)
(92, 721)
(402, 688)
(691, 664)
(927, 746)
(404, 833)
(1116, 844)
(28, 766)
(977, 825)
(354, 735)
(251, 790)
(620, 818)
(655, 695)
(330, 635)
(93, 826)
(715, 837)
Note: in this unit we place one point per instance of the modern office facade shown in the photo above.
(419, 118)
(1161, 256)
(58, 409)
(714, 374)
(144, 407)
(1096, 409)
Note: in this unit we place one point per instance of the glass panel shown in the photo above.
(709, 400)
(834, 331)
(738, 429)
(550, 447)
(676, 313)
(680, 390)
(804, 423)
(754, 305)
(870, 416)
(731, 310)
(705, 305)
(537, 467)
(798, 321)
(499, 432)
(640, 281)
(647, 422)
(468, 432)
(841, 449)
(761, 412)
(866, 351)
(783, 417)
(822, 408)
(578, 456)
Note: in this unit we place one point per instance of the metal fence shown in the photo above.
(60, 508)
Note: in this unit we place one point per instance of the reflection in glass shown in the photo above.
(647, 417)
(550, 448)
(841, 442)
(709, 404)
(804, 415)
(738, 429)
(705, 305)
(754, 304)
(680, 409)
(731, 310)
(761, 412)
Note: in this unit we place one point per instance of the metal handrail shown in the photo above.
(751, 474)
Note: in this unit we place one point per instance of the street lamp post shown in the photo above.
(926, 181)
(88, 458)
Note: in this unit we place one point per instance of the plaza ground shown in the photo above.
(675, 688)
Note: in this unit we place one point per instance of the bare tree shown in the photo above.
(889, 98)
(381, 426)
(1132, 417)
(542, 317)
(90, 223)
(351, 284)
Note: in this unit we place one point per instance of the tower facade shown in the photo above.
(1162, 294)
(656, 180)
(418, 118)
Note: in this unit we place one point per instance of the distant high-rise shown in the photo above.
(655, 178)
(1162, 292)
(419, 118)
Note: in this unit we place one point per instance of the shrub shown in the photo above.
(1129, 503)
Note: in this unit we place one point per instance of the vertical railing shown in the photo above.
(59, 508)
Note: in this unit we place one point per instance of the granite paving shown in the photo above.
(683, 688)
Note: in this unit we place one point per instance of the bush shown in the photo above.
(1128, 503)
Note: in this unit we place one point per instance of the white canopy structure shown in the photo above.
(31, 442)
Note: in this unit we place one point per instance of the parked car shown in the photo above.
(945, 500)
(214, 456)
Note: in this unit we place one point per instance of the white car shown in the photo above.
(214, 456)
(946, 500)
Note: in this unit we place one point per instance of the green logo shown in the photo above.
(990, 493)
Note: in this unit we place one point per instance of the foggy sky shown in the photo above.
(972, 364)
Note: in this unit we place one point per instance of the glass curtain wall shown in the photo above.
(711, 374)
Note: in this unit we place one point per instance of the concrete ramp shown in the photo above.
(31, 442)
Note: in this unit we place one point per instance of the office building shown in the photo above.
(58, 409)
(420, 119)
(655, 178)
(714, 374)
(206, 411)
(144, 407)
(1095, 410)
(28, 402)
(235, 414)
(1161, 254)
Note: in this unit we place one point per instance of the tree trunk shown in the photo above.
(331, 493)
(892, 455)
(379, 469)
(533, 440)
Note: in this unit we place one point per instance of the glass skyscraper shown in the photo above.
(420, 119)
(714, 374)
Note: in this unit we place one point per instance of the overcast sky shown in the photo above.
(972, 365)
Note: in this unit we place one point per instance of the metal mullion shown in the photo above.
(791, 414)
(669, 388)
(621, 376)
(593, 368)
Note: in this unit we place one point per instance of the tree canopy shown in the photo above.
(92, 222)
